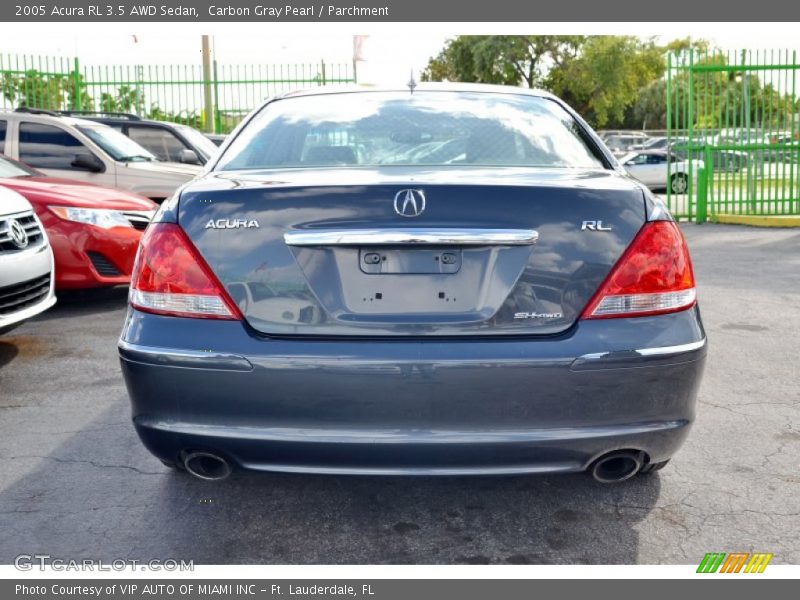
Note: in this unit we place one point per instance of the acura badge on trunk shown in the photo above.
(409, 203)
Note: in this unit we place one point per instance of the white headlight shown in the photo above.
(98, 217)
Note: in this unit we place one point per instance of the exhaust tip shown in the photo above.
(617, 466)
(205, 465)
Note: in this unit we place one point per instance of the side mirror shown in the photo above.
(189, 157)
(88, 162)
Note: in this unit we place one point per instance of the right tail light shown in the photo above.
(653, 276)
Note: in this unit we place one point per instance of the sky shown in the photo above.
(389, 58)
(391, 52)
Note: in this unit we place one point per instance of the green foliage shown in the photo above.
(502, 59)
(34, 89)
(649, 110)
(42, 90)
(127, 99)
(607, 77)
(728, 98)
(190, 118)
(601, 76)
(615, 81)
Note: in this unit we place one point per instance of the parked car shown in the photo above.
(171, 142)
(738, 135)
(94, 231)
(661, 143)
(653, 143)
(522, 307)
(26, 262)
(722, 161)
(632, 133)
(621, 143)
(659, 169)
(217, 138)
(788, 149)
(63, 146)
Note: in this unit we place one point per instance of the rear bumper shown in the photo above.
(413, 407)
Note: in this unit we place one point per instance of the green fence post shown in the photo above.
(690, 122)
(78, 85)
(704, 176)
(702, 196)
(669, 119)
(217, 114)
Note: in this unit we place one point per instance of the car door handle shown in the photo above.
(391, 237)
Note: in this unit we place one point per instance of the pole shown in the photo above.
(746, 107)
(217, 116)
(208, 104)
(669, 124)
(78, 101)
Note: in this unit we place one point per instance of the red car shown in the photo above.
(94, 230)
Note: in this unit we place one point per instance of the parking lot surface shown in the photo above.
(76, 482)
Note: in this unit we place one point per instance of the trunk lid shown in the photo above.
(328, 252)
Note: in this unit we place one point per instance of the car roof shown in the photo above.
(101, 118)
(45, 118)
(88, 118)
(425, 86)
(655, 152)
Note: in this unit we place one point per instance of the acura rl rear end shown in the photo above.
(438, 280)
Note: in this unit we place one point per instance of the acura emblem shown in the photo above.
(18, 234)
(409, 203)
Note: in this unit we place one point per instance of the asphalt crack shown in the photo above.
(89, 462)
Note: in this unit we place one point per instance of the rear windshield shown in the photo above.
(404, 129)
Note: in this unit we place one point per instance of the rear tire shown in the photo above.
(653, 467)
(679, 183)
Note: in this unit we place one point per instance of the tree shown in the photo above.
(33, 89)
(601, 76)
(75, 88)
(502, 59)
(40, 90)
(613, 81)
(608, 76)
(649, 110)
(127, 99)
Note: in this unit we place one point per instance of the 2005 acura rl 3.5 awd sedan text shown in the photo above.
(443, 279)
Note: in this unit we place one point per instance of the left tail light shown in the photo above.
(171, 278)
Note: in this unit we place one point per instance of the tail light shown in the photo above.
(653, 276)
(171, 278)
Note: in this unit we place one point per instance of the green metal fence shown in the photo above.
(164, 92)
(733, 122)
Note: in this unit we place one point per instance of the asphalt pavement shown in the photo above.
(76, 483)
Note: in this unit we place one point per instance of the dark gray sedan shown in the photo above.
(441, 279)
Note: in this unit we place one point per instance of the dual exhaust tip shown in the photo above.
(610, 468)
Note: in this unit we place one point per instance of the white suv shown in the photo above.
(26, 262)
(63, 146)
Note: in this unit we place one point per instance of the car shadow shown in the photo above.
(98, 494)
(86, 302)
(8, 351)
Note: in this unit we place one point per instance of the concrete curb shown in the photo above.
(759, 220)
